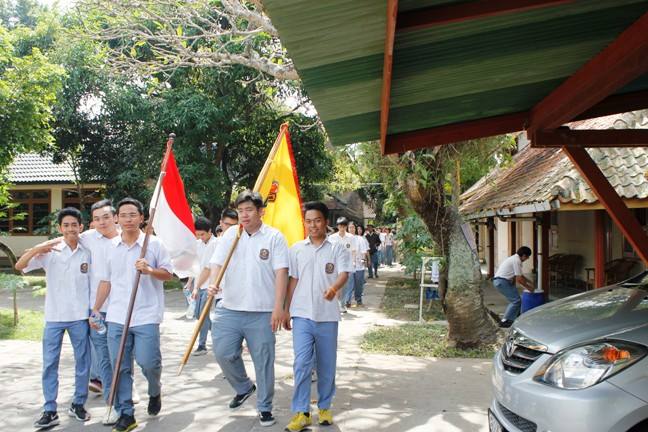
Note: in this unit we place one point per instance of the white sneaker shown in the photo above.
(135, 395)
(343, 308)
(111, 416)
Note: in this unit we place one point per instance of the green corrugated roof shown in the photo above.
(444, 74)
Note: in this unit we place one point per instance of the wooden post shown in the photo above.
(512, 237)
(599, 248)
(535, 245)
(544, 259)
(491, 247)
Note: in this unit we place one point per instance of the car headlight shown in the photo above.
(586, 365)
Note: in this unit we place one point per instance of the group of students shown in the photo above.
(266, 286)
(90, 276)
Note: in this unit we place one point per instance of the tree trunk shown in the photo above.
(469, 324)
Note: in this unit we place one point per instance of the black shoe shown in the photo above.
(266, 419)
(48, 419)
(505, 323)
(125, 423)
(155, 405)
(238, 400)
(78, 412)
(201, 350)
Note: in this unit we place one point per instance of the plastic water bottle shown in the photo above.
(191, 304)
(98, 321)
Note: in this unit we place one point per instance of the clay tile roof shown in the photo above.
(35, 168)
(543, 176)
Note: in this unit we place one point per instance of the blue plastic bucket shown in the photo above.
(532, 300)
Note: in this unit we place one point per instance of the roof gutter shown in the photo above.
(510, 211)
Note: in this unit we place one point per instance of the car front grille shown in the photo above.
(520, 352)
(519, 422)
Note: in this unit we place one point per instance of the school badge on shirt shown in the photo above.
(329, 268)
(264, 254)
(84, 268)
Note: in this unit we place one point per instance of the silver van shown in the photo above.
(576, 365)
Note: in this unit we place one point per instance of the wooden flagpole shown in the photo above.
(210, 298)
(138, 274)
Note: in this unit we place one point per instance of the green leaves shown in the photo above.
(28, 86)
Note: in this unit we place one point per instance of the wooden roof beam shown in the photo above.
(423, 138)
(616, 208)
(388, 61)
(564, 137)
(622, 61)
(453, 13)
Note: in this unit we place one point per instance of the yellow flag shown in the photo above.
(278, 184)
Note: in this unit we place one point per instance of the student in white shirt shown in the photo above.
(361, 258)
(206, 247)
(349, 242)
(319, 268)
(99, 241)
(67, 265)
(144, 331)
(252, 309)
(508, 273)
(389, 247)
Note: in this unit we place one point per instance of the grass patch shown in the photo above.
(400, 292)
(35, 281)
(30, 325)
(173, 284)
(418, 340)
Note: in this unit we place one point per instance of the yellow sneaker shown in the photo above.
(325, 417)
(299, 422)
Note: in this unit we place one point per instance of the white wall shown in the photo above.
(576, 236)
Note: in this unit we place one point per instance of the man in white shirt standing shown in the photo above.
(389, 247)
(99, 241)
(144, 332)
(349, 242)
(361, 258)
(508, 273)
(252, 309)
(67, 265)
(228, 218)
(319, 268)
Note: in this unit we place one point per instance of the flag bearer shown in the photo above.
(206, 246)
(148, 310)
(319, 268)
(252, 309)
(66, 266)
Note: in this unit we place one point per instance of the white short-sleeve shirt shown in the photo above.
(67, 274)
(316, 268)
(510, 267)
(382, 236)
(248, 283)
(205, 253)
(99, 246)
(363, 248)
(348, 241)
(149, 303)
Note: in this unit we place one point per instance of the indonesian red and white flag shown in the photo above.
(173, 222)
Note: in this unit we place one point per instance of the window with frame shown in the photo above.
(90, 196)
(29, 213)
